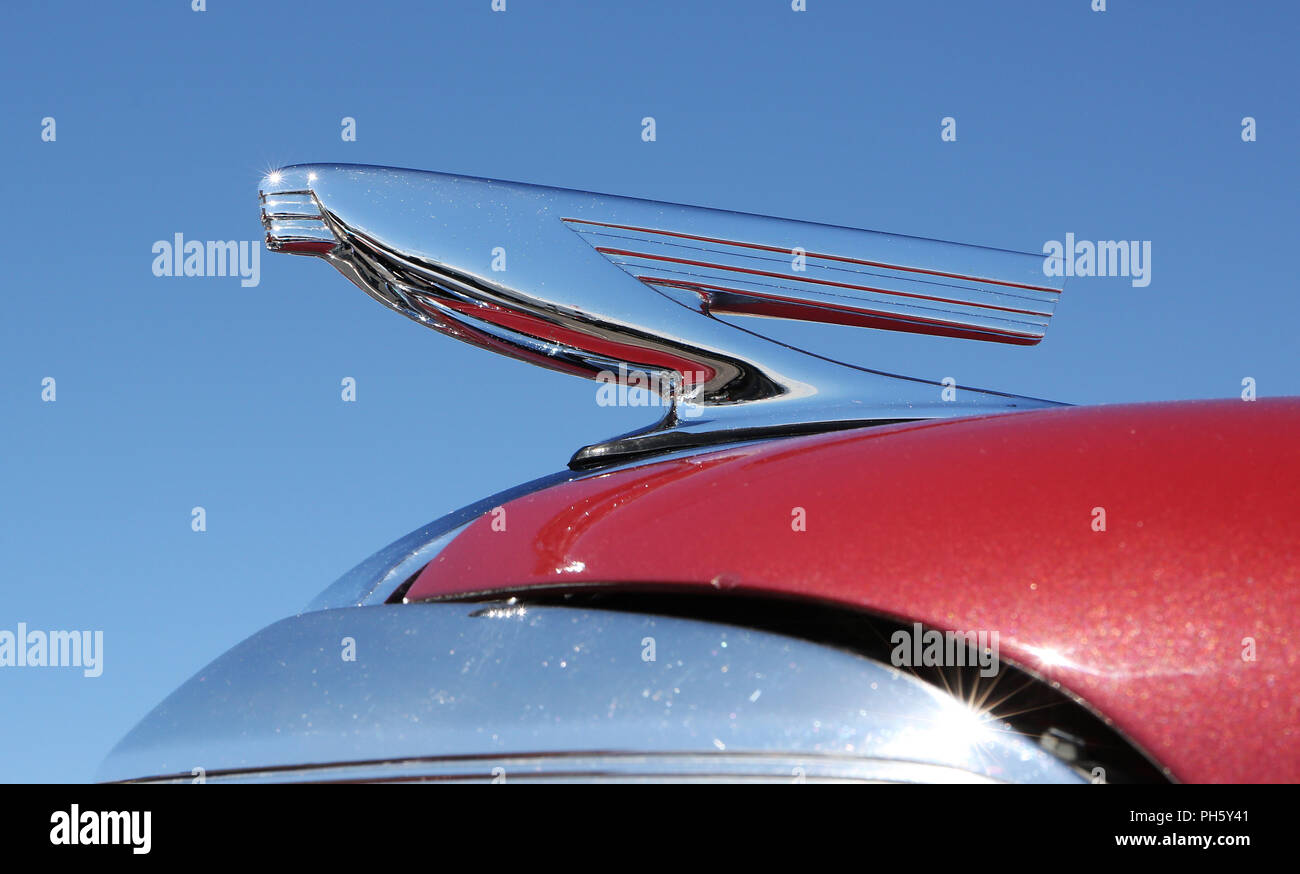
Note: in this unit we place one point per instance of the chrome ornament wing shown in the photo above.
(599, 285)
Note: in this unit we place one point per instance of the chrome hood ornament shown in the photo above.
(595, 284)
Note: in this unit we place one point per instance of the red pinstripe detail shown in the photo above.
(841, 258)
(307, 247)
(788, 277)
(538, 327)
(772, 305)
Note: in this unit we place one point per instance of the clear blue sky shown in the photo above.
(173, 393)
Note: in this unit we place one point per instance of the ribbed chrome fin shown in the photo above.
(1010, 301)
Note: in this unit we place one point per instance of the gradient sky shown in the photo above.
(182, 392)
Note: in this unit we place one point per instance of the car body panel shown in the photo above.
(985, 523)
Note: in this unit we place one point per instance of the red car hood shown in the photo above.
(1177, 621)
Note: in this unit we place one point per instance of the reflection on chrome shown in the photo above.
(462, 691)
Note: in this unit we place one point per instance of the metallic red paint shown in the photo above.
(988, 523)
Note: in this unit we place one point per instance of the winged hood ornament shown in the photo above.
(593, 284)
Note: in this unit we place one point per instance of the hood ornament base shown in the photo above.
(595, 285)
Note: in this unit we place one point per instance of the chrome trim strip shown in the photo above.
(409, 567)
(443, 683)
(374, 580)
(608, 767)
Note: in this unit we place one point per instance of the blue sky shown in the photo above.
(181, 392)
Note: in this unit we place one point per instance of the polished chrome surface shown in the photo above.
(595, 284)
(461, 690)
